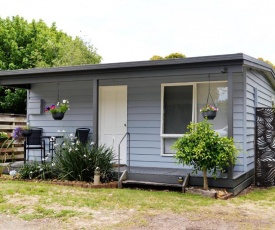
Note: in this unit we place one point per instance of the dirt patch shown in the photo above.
(93, 220)
(9, 222)
(185, 221)
(127, 219)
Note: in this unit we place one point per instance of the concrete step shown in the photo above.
(156, 178)
(150, 183)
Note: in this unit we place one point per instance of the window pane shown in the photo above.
(168, 142)
(177, 108)
(220, 96)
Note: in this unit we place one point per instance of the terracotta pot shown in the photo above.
(57, 116)
(210, 115)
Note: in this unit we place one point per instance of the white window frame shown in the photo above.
(194, 110)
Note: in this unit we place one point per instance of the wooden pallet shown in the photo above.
(8, 122)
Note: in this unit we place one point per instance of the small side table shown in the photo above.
(52, 142)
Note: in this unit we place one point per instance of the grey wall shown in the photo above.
(238, 118)
(258, 94)
(144, 112)
(144, 117)
(79, 94)
(251, 89)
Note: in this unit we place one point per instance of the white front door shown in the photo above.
(113, 118)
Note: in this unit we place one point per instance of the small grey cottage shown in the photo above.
(154, 101)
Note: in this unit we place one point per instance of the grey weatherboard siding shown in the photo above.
(144, 117)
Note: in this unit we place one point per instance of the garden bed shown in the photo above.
(112, 184)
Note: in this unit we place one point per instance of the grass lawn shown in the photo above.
(82, 208)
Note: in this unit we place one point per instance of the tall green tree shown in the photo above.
(25, 45)
(268, 62)
(170, 56)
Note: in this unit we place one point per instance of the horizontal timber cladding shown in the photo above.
(8, 122)
(259, 91)
(80, 114)
(144, 117)
(238, 122)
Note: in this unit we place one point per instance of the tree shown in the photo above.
(268, 62)
(14, 100)
(170, 56)
(25, 45)
(175, 55)
(205, 150)
(156, 57)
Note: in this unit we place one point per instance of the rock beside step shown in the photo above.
(217, 194)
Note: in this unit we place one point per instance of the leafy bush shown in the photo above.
(77, 161)
(205, 150)
(13, 100)
(35, 170)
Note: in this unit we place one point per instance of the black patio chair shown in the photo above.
(34, 141)
(82, 134)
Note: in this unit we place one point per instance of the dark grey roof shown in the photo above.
(166, 62)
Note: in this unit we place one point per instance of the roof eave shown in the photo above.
(125, 65)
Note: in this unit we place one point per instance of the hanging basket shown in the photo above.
(210, 115)
(211, 110)
(58, 116)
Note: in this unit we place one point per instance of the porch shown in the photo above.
(180, 178)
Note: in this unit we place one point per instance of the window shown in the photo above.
(219, 94)
(181, 104)
(177, 112)
(177, 109)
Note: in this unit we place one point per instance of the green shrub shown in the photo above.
(35, 170)
(205, 150)
(77, 161)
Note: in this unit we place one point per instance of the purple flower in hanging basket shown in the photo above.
(60, 107)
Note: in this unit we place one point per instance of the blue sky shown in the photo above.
(135, 30)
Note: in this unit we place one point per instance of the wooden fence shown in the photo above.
(8, 122)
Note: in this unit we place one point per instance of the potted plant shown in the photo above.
(58, 110)
(209, 111)
(21, 132)
(26, 130)
(17, 134)
(205, 150)
(3, 136)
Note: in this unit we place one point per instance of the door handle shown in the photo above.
(125, 125)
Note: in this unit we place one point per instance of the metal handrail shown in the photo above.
(126, 134)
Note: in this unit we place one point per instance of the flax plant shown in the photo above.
(77, 161)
